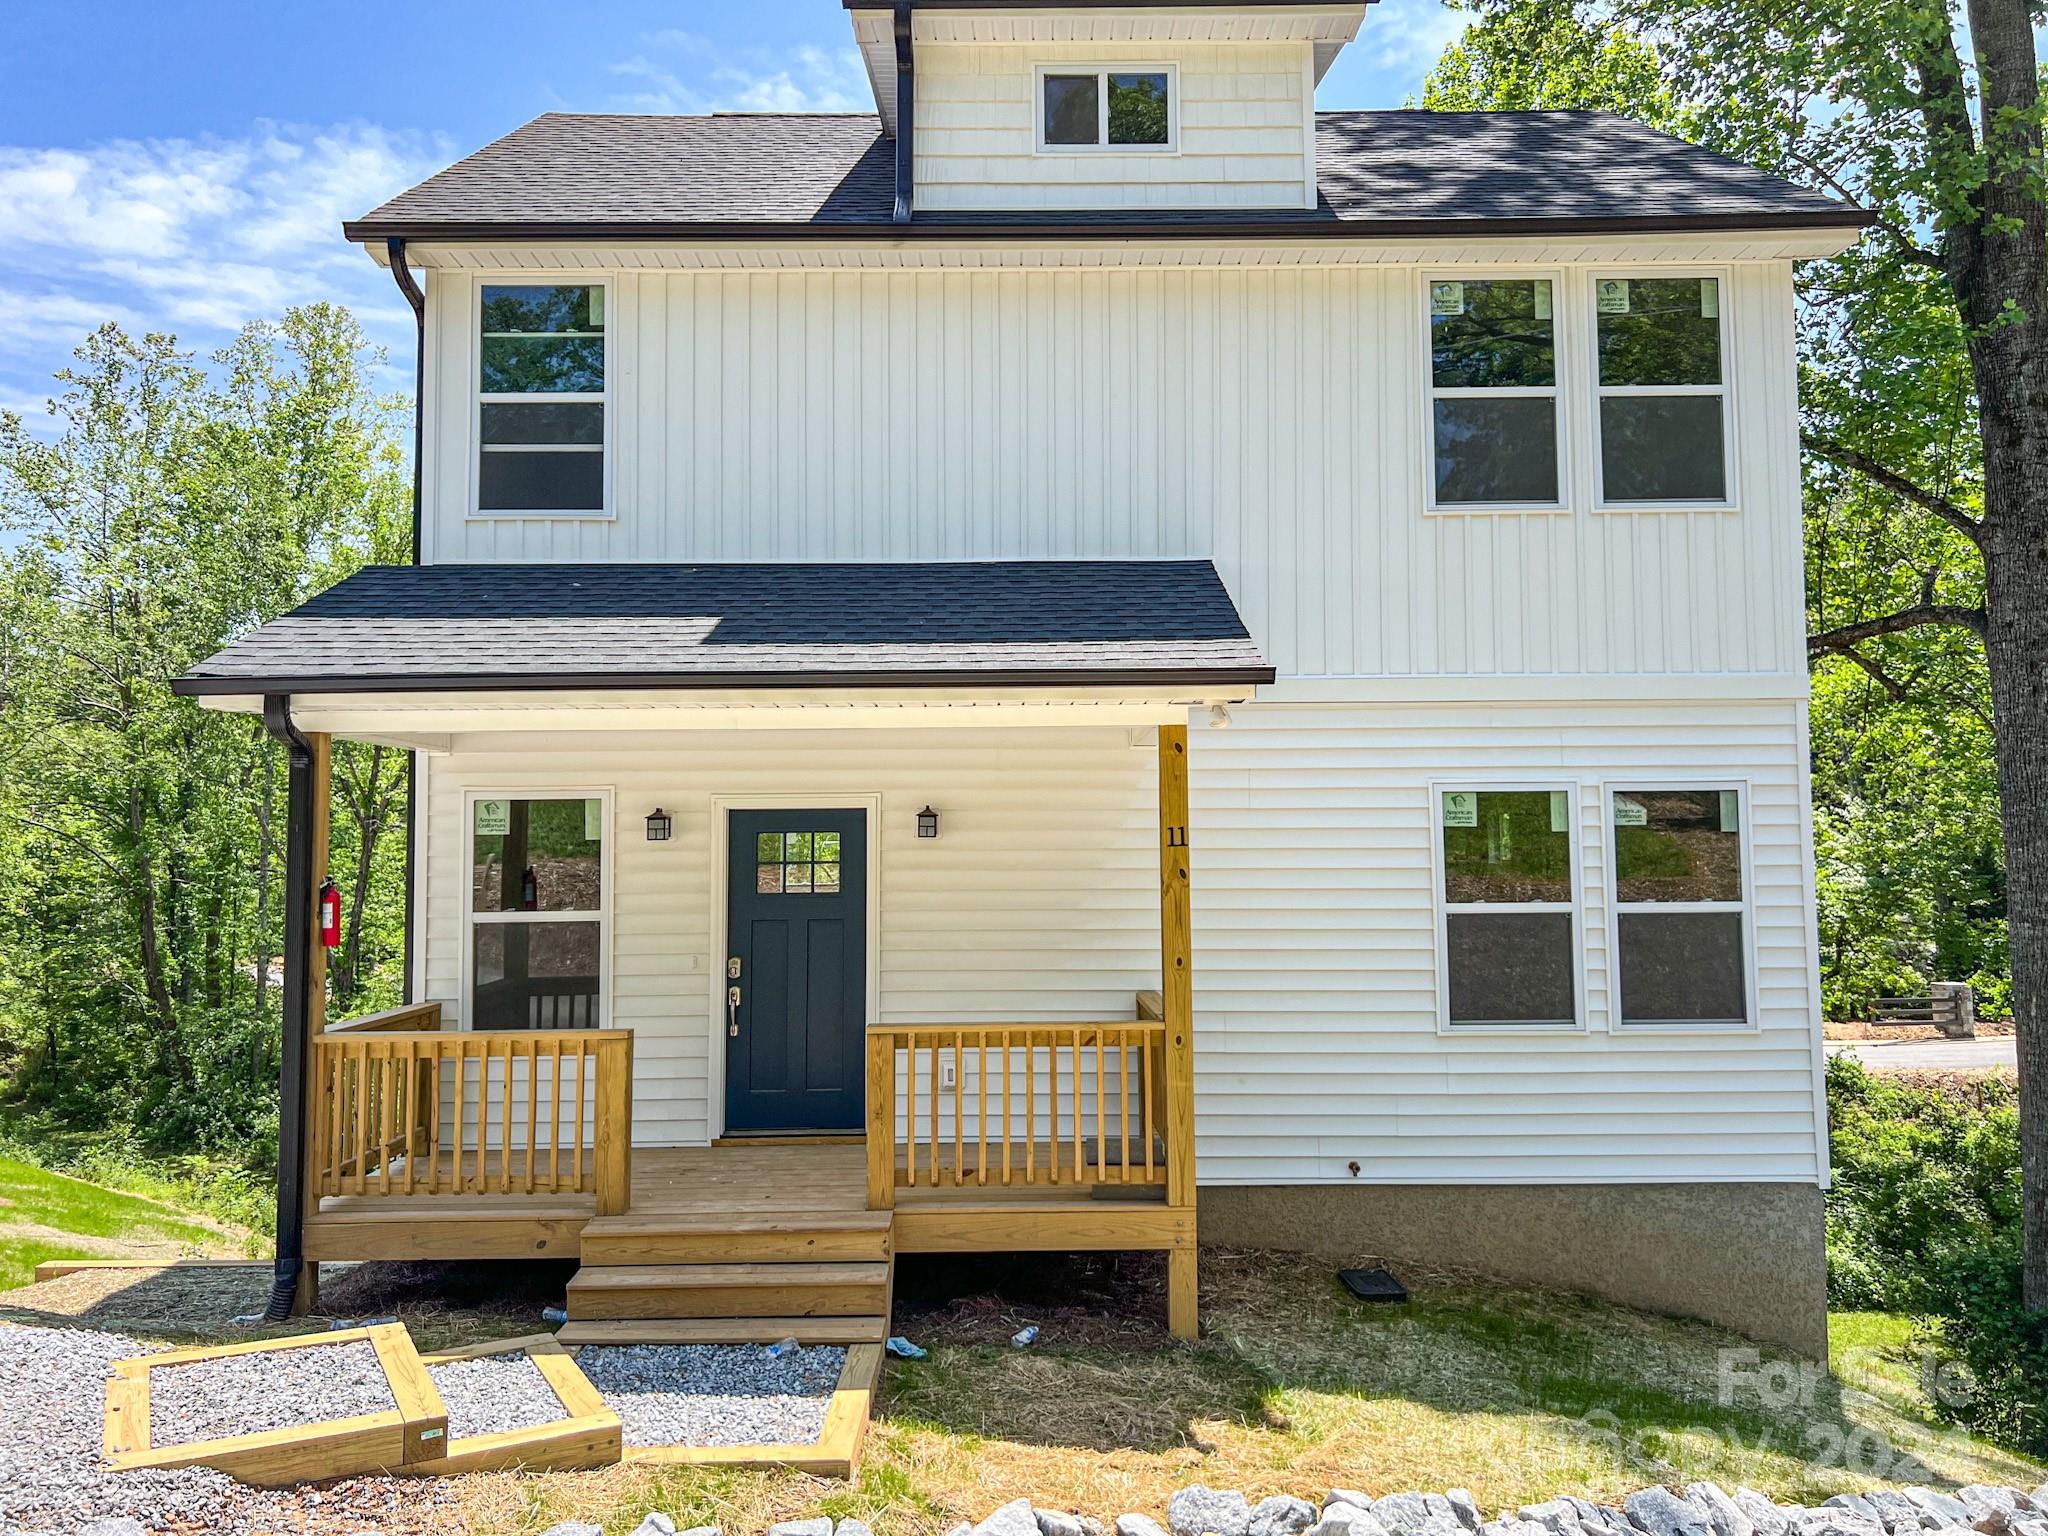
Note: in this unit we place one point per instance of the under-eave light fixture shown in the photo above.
(659, 825)
(927, 822)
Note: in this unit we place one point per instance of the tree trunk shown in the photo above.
(1999, 267)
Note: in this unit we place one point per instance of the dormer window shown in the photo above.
(1128, 109)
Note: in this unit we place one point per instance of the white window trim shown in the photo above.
(1616, 1024)
(602, 916)
(1102, 72)
(1724, 391)
(1572, 908)
(478, 399)
(1561, 393)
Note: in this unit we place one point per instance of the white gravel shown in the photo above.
(714, 1394)
(274, 1389)
(53, 1385)
(495, 1393)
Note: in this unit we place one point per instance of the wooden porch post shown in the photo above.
(1176, 962)
(307, 1297)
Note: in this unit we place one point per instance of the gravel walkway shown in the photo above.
(253, 1394)
(714, 1394)
(52, 1411)
(495, 1393)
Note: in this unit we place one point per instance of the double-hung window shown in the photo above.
(1120, 109)
(537, 904)
(1493, 398)
(1679, 912)
(1507, 921)
(541, 399)
(1663, 392)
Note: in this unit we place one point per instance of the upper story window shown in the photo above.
(1116, 109)
(541, 399)
(1493, 409)
(1663, 406)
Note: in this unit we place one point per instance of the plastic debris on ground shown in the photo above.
(786, 1345)
(903, 1349)
(554, 1314)
(1025, 1336)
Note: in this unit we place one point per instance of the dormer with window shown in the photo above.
(1105, 108)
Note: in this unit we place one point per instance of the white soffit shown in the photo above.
(1327, 27)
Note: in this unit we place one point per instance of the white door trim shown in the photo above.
(721, 858)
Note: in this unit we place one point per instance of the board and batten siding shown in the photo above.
(1245, 131)
(1269, 419)
(1316, 1037)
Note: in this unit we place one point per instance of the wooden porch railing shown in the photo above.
(399, 1109)
(1058, 1104)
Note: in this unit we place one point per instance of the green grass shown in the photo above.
(42, 1209)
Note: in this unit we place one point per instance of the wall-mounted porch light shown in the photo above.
(659, 825)
(927, 822)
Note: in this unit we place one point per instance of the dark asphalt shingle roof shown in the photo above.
(593, 626)
(1380, 172)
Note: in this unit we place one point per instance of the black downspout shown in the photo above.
(298, 1006)
(906, 117)
(402, 275)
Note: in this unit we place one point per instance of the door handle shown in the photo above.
(732, 1011)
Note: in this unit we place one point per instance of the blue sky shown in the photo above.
(185, 164)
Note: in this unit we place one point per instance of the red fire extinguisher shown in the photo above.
(330, 915)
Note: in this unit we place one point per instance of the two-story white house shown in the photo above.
(1090, 657)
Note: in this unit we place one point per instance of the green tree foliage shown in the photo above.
(141, 837)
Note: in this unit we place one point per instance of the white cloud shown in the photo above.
(1408, 36)
(681, 72)
(193, 236)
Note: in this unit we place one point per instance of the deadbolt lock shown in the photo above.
(732, 968)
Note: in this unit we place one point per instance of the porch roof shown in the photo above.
(412, 629)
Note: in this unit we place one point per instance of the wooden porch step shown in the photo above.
(729, 1290)
(825, 1236)
(727, 1330)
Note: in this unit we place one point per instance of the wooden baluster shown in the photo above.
(1007, 1125)
(935, 1109)
(1123, 1085)
(331, 1175)
(362, 1122)
(585, 1059)
(531, 1049)
(434, 1117)
(1078, 1176)
(1150, 1093)
(1052, 1106)
(1030, 1109)
(1101, 1104)
(555, 1125)
(981, 1126)
(412, 1116)
(959, 1089)
(910, 1108)
(505, 1128)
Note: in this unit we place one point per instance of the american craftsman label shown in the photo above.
(493, 818)
(1447, 298)
(1611, 293)
(1630, 813)
(593, 821)
(1461, 808)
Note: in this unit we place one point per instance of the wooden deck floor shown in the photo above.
(693, 1184)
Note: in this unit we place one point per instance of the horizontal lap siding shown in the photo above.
(1315, 980)
(1243, 135)
(1315, 960)
(1270, 420)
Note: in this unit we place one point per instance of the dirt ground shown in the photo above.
(1986, 1028)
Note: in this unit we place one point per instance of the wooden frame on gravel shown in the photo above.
(586, 1436)
(836, 1451)
(370, 1442)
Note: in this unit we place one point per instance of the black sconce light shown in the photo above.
(927, 822)
(659, 825)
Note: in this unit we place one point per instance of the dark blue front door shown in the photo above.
(796, 925)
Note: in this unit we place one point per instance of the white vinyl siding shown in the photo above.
(1269, 419)
(1316, 992)
(1241, 141)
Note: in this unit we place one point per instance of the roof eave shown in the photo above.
(206, 686)
(372, 230)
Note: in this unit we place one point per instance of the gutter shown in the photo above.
(298, 1007)
(555, 682)
(401, 274)
(906, 116)
(1158, 227)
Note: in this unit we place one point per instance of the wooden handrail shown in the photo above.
(412, 1016)
(1066, 1104)
(402, 1113)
